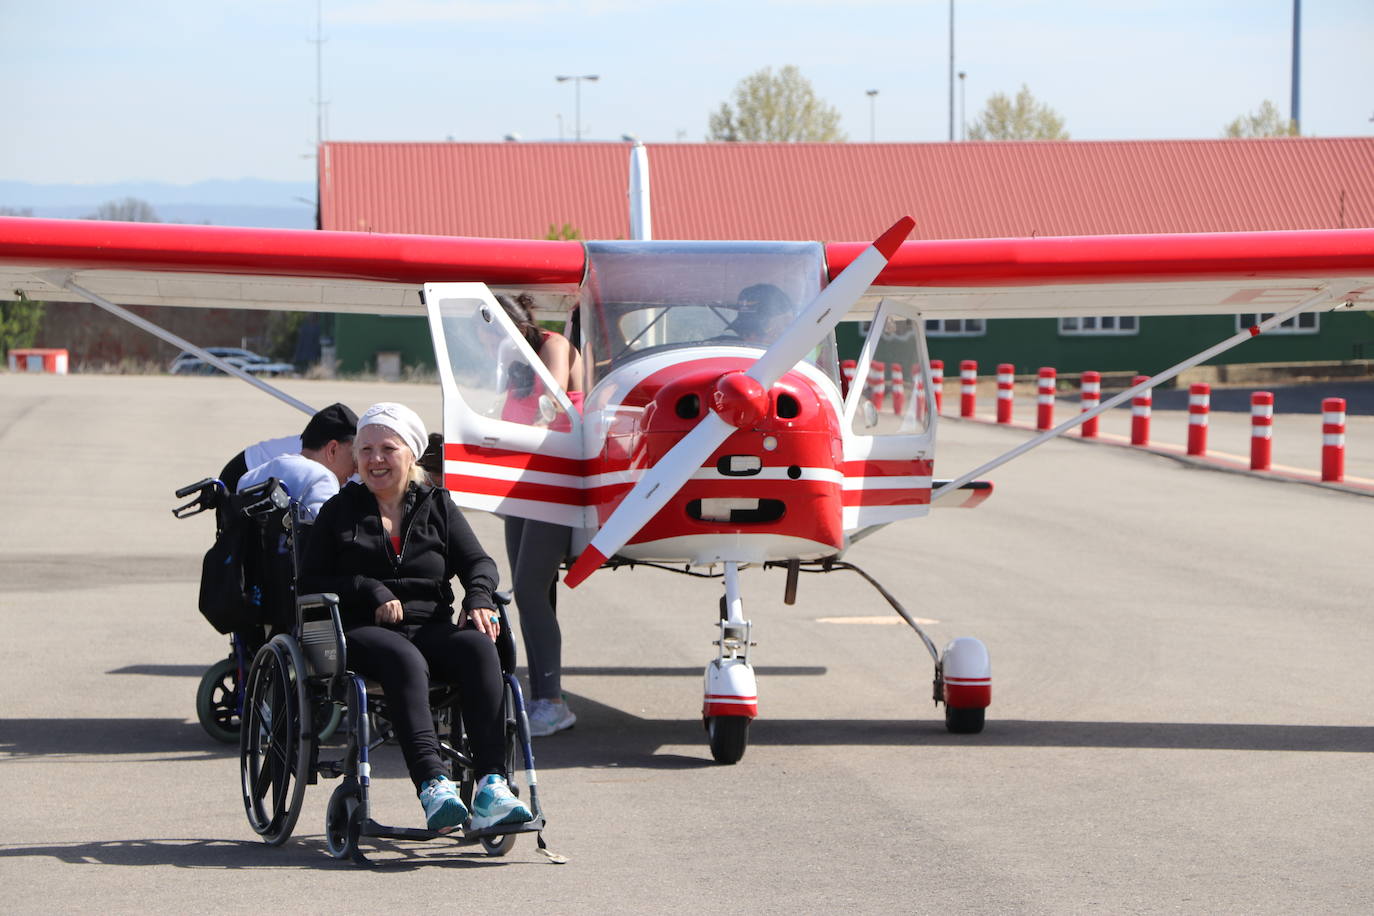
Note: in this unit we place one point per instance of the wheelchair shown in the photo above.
(300, 674)
(219, 697)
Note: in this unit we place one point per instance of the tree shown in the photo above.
(20, 319)
(1267, 122)
(1022, 119)
(129, 210)
(776, 108)
(565, 232)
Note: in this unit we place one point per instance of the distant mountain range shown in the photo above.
(241, 202)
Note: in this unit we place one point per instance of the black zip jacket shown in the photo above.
(348, 553)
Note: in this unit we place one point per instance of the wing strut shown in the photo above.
(60, 278)
(1331, 292)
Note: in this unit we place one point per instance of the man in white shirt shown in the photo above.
(325, 461)
(335, 417)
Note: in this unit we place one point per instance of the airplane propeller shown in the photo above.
(739, 401)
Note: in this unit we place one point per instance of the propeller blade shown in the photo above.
(652, 492)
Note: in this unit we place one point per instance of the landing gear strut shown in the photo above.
(731, 691)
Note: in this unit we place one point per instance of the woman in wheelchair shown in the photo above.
(388, 548)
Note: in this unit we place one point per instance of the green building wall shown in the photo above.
(359, 338)
(1027, 343)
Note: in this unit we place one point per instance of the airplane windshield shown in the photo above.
(642, 298)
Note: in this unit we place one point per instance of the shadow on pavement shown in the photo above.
(108, 737)
(308, 852)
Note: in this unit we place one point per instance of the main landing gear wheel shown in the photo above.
(728, 737)
(217, 701)
(275, 747)
(964, 721)
(343, 820)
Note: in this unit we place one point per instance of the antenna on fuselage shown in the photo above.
(641, 225)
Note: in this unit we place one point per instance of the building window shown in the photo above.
(1302, 323)
(1099, 325)
(955, 327)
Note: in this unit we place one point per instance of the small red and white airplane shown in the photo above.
(712, 434)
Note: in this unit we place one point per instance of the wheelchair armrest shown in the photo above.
(321, 634)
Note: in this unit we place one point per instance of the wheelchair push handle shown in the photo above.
(209, 493)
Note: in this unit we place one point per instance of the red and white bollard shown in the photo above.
(877, 383)
(1199, 405)
(1261, 430)
(1090, 396)
(918, 389)
(1140, 412)
(1044, 402)
(968, 387)
(847, 367)
(1333, 439)
(937, 381)
(898, 390)
(1006, 390)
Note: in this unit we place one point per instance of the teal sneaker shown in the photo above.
(494, 804)
(443, 809)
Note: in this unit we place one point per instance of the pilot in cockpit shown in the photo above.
(764, 312)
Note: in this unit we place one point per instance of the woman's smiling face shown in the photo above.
(384, 460)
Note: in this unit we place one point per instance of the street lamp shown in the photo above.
(577, 99)
(872, 118)
(963, 120)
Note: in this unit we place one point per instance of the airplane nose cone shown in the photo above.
(740, 400)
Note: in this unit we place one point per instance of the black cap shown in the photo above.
(334, 422)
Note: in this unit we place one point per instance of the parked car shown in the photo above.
(188, 363)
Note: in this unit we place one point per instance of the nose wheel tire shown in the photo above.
(964, 721)
(728, 737)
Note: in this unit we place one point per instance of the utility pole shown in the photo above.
(951, 71)
(318, 41)
(1295, 103)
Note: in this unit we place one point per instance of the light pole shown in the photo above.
(951, 71)
(872, 117)
(963, 118)
(577, 99)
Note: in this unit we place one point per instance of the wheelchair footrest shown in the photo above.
(462, 836)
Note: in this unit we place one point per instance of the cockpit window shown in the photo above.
(648, 297)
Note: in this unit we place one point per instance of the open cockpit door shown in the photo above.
(889, 437)
(512, 437)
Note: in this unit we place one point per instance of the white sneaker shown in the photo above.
(548, 716)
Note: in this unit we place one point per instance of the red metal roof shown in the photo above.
(852, 191)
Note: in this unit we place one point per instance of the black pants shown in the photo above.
(404, 661)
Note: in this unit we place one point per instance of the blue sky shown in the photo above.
(187, 90)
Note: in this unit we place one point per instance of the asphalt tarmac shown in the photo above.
(1183, 666)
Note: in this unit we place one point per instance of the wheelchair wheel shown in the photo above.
(275, 747)
(343, 820)
(217, 701)
(498, 845)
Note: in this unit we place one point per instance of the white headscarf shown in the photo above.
(401, 420)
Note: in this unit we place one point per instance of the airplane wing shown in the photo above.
(286, 269)
(1216, 273)
(305, 270)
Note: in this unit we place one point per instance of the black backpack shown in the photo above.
(238, 576)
